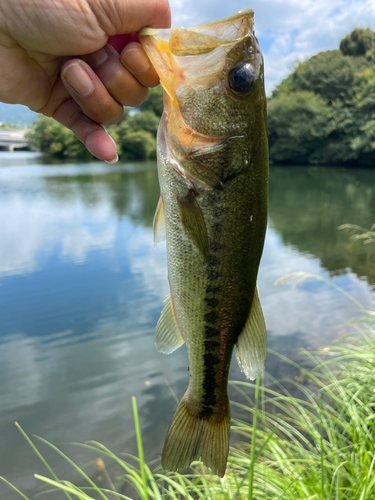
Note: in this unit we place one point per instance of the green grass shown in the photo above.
(311, 437)
(359, 233)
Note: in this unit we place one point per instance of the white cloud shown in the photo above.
(80, 240)
(148, 261)
(30, 229)
(289, 30)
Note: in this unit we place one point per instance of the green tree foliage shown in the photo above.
(50, 137)
(359, 42)
(363, 144)
(135, 134)
(323, 112)
(138, 144)
(329, 74)
(154, 101)
(298, 123)
(145, 120)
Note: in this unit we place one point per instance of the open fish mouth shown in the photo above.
(194, 58)
(205, 37)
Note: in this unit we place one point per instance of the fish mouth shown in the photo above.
(204, 38)
(195, 57)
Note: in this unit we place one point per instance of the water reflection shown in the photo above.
(81, 289)
(308, 204)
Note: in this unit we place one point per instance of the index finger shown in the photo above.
(118, 17)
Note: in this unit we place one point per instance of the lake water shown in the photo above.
(82, 287)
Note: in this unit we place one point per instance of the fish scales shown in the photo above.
(213, 173)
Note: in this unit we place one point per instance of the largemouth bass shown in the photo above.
(213, 173)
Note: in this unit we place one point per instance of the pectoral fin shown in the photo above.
(251, 347)
(168, 337)
(193, 222)
(159, 222)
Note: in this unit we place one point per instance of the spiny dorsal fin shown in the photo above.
(251, 347)
(159, 222)
(193, 222)
(168, 337)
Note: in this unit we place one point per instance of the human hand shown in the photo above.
(39, 44)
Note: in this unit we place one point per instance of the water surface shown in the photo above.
(81, 290)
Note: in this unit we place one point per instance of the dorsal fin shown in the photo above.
(251, 347)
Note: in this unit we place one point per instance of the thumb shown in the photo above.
(128, 16)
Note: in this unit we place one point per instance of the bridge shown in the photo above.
(13, 139)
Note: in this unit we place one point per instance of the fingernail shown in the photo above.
(78, 79)
(136, 61)
(115, 160)
(97, 58)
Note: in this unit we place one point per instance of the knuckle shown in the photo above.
(115, 118)
(137, 98)
(74, 118)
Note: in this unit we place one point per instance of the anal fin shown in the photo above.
(251, 347)
(159, 222)
(168, 337)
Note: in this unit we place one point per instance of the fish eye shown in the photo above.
(241, 78)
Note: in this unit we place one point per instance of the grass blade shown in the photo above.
(15, 489)
(140, 448)
(37, 452)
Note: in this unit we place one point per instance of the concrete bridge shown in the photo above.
(13, 139)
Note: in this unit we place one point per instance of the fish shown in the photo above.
(212, 154)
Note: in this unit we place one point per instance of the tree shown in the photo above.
(154, 101)
(323, 112)
(138, 145)
(134, 136)
(298, 125)
(50, 137)
(363, 143)
(145, 120)
(358, 43)
(329, 74)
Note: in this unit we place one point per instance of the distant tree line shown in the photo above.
(321, 113)
(324, 111)
(135, 134)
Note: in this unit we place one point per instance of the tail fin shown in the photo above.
(192, 438)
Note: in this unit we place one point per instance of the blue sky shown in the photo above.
(288, 30)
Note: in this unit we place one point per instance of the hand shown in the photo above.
(39, 44)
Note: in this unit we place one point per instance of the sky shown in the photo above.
(288, 30)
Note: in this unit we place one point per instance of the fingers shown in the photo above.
(65, 110)
(134, 58)
(93, 136)
(102, 85)
(90, 93)
(131, 16)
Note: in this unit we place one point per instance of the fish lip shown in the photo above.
(194, 58)
(229, 19)
(210, 28)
